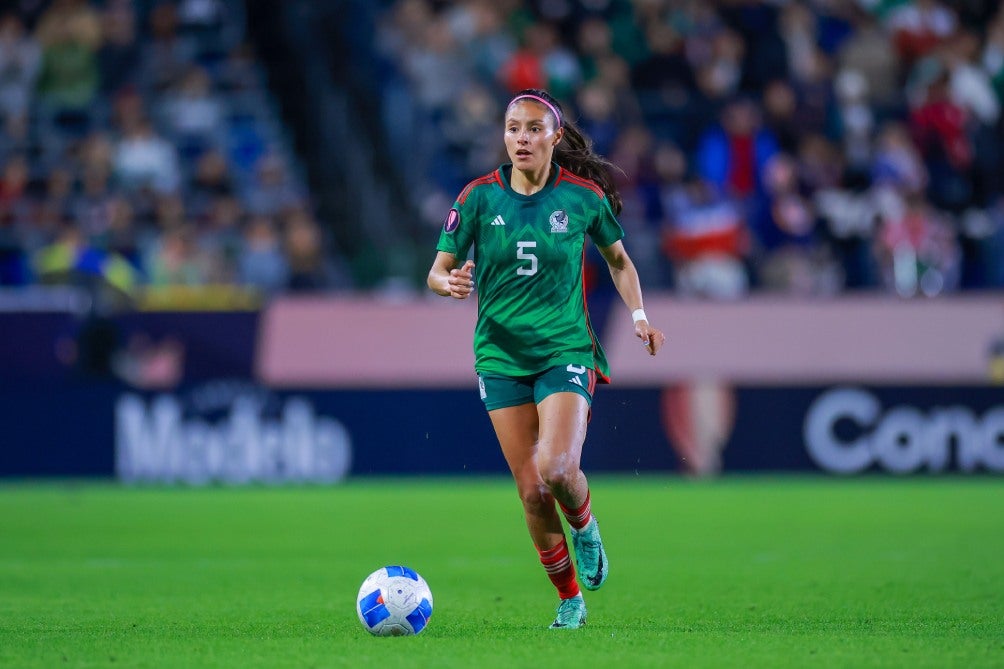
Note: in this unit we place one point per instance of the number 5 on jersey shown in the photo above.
(523, 255)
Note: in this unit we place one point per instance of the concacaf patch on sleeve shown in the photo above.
(452, 220)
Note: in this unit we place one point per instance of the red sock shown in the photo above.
(558, 565)
(580, 517)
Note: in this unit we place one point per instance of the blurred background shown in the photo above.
(216, 218)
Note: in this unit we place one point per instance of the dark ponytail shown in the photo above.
(575, 151)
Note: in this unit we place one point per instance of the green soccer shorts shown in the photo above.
(498, 392)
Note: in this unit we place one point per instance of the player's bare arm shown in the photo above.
(625, 277)
(447, 280)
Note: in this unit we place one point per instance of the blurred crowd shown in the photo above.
(805, 147)
(137, 148)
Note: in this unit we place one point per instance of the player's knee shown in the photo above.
(535, 496)
(559, 473)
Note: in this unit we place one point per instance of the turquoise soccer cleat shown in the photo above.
(571, 614)
(590, 558)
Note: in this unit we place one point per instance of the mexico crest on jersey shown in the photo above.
(559, 221)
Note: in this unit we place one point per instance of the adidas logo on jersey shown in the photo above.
(576, 381)
(498, 220)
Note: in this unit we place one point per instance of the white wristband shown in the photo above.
(638, 315)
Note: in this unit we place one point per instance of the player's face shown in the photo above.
(530, 135)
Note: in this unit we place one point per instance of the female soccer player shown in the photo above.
(536, 355)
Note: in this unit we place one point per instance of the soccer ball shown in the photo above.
(394, 601)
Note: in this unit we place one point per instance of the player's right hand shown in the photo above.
(461, 281)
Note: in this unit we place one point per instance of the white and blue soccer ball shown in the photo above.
(394, 601)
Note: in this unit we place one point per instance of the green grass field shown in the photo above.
(740, 572)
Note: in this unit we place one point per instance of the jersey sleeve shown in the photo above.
(457, 234)
(605, 229)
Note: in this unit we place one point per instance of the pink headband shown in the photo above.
(537, 98)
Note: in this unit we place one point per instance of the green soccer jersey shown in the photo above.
(529, 252)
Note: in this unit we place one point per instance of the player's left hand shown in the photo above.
(651, 337)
